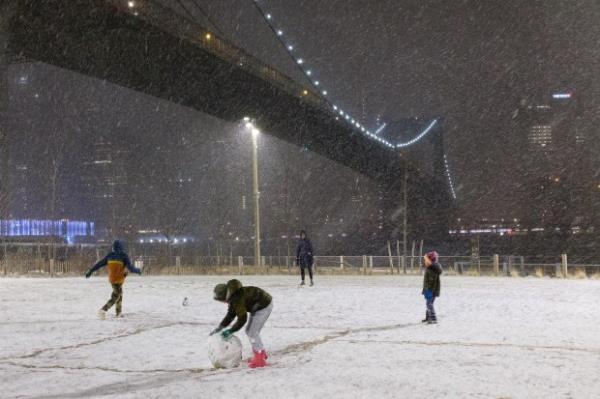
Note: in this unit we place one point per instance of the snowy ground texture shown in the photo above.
(346, 337)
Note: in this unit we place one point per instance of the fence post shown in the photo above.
(342, 262)
(390, 257)
(241, 265)
(371, 264)
(401, 261)
(263, 263)
(178, 264)
(412, 258)
(287, 263)
(565, 265)
(522, 265)
(364, 264)
(51, 267)
(496, 265)
(4, 260)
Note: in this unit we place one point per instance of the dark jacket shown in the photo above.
(431, 280)
(304, 252)
(117, 261)
(243, 300)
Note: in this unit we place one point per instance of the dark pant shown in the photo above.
(310, 274)
(430, 314)
(115, 298)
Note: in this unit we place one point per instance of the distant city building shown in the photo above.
(104, 177)
(31, 229)
(540, 138)
(552, 127)
(557, 165)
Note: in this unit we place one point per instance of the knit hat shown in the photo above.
(220, 292)
(432, 256)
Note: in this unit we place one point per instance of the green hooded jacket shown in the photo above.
(243, 300)
(431, 280)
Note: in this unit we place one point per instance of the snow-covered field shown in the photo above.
(346, 337)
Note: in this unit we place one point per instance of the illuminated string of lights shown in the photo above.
(419, 137)
(450, 182)
(309, 74)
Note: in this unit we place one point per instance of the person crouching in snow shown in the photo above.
(241, 301)
(431, 284)
(118, 263)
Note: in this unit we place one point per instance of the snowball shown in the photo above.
(224, 353)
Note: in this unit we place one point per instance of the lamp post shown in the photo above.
(256, 194)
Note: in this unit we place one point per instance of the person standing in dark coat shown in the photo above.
(304, 256)
(431, 285)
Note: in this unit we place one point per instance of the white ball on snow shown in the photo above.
(224, 353)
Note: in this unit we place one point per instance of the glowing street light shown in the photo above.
(131, 4)
(255, 132)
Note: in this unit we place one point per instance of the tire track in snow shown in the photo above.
(173, 375)
(97, 341)
(308, 345)
(476, 345)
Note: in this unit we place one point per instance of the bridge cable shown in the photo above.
(282, 42)
(307, 73)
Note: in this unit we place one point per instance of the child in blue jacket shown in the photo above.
(117, 263)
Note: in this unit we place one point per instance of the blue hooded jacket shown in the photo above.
(116, 260)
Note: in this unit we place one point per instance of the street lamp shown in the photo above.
(255, 132)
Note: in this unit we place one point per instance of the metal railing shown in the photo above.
(61, 260)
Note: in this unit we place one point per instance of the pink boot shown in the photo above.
(259, 360)
(255, 353)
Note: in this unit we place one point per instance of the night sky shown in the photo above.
(470, 62)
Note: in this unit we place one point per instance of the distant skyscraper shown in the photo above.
(552, 128)
(540, 138)
(557, 171)
(105, 182)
